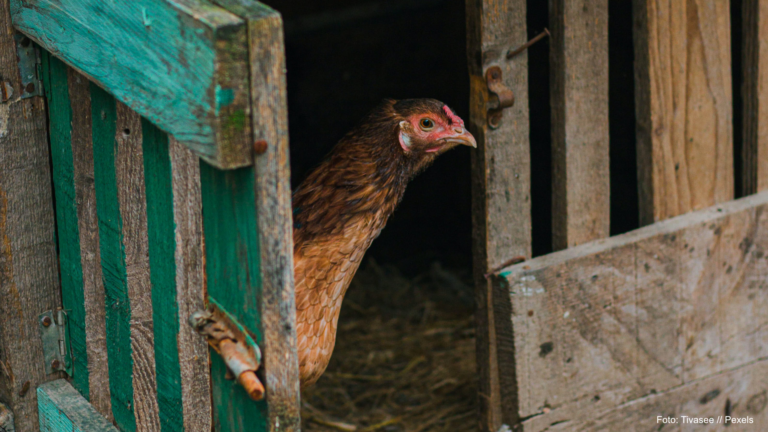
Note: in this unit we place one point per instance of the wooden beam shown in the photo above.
(606, 324)
(755, 96)
(579, 85)
(501, 204)
(684, 106)
(182, 66)
(29, 277)
(62, 408)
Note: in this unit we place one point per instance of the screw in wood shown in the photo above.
(260, 147)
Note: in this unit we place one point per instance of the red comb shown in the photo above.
(456, 120)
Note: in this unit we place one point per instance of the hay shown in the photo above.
(404, 358)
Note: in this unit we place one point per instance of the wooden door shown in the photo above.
(668, 320)
(168, 140)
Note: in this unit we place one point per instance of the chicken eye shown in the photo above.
(427, 124)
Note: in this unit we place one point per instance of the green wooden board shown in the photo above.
(72, 294)
(118, 307)
(234, 281)
(181, 64)
(61, 408)
(162, 260)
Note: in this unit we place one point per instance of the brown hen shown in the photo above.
(341, 207)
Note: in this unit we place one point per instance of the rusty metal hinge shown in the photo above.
(500, 96)
(55, 335)
(233, 342)
(30, 68)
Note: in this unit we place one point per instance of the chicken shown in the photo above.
(341, 207)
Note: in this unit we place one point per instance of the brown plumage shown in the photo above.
(341, 207)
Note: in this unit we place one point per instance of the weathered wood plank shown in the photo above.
(193, 351)
(683, 106)
(182, 65)
(29, 277)
(62, 408)
(131, 196)
(579, 94)
(273, 207)
(755, 96)
(501, 205)
(118, 305)
(604, 324)
(70, 264)
(88, 227)
(233, 275)
(740, 393)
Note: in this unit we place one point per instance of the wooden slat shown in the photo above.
(604, 324)
(501, 206)
(62, 408)
(684, 106)
(273, 207)
(755, 96)
(88, 228)
(233, 275)
(740, 393)
(29, 280)
(181, 65)
(118, 305)
(131, 196)
(579, 86)
(70, 264)
(192, 349)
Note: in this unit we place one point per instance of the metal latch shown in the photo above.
(500, 96)
(29, 67)
(55, 335)
(233, 342)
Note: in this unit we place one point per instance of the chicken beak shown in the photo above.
(461, 136)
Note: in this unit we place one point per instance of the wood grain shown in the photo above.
(63, 408)
(501, 204)
(131, 195)
(190, 289)
(608, 323)
(182, 65)
(579, 95)
(29, 278)
(87, 220)
(755, 96)
(683, 106)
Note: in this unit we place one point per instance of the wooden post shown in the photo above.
(755, 96)
(63, 408)
(29, 277)
(683, 105)
(501, 214)
(579, 83)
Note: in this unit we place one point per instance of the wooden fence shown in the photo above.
(666, 320)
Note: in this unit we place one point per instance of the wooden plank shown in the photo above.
(131, 196)
(88, 227)
(579, 86)
(273, 207)
(162, 270)
(29, 278)
(501, 206)
(755, 96)
(607, 323)
(182, 65)
(62, 408)
(118, 306)
(683, 105)
(234, 280)
(70, 264)
(740, 393)
(193, 351)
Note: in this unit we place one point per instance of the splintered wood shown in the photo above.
(609, 335)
